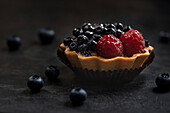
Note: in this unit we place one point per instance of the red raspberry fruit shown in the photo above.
(133, 43)
(109, 46)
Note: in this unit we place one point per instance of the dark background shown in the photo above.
(25, 18)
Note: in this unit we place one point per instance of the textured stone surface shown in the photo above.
(25, 18)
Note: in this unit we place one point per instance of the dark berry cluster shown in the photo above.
(85, 39)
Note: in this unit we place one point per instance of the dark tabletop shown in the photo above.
(25, 18)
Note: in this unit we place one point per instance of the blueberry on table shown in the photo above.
(78, 95)
(163, 81)
(35, 83)
(127, 28)
(119, 25)
(52, 72)
(14, 43)
(47, 35)
(164, 37)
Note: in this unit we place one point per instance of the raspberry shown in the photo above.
(133, 43)
(109, 46)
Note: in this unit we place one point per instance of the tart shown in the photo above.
(106, 50)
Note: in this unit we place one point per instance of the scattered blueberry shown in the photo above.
(118, 33)
(89, 34)
(164, 37)
(82, 48)
(35, 83)
(96, 37)
(147, 43)
(127, 28)
(82, 39)
(119, 26)
(14, 43)
(52, 72)
(163, 80)
(47, 35)
(67, 41)
(78, 95)
(73, 46)
(77, 32)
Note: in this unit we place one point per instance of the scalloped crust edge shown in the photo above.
(101, 64)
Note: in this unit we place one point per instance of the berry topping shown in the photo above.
(86, 53)
(14, 43)
(52, 72)
(127, 28)
(133, 43)
(82, 39)
(110, 26)
(119, 26)
(67, 41)
(163, 80)
(73, 46)
(92, 45)
(109, 46)
(118, 33)
(99, 29)
(109, 31)
(46, 35)
(78, 95)
(82, 48)
(35, 83)
(77, 32)
(87, 27)
(96, 37)
(89, 34)
(147, 43)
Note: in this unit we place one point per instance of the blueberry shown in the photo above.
(67, 41)
(147, 43)
(35, 82)
(77, 32)
(73, 46)
(110, 26)
(86, 53)
(85, 24)
(163, 80)
(118, 33)
(82, 39)
(92, 45)
(47, 35)
(88, 27)
(82, 48)
(78, 95)
(164, 37)
(119, 25)
(109, 31)
(127, 28)
(96, 37)
(52, 72)
(14, 43)
(99, 29)
(88, 34)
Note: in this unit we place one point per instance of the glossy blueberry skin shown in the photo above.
(35, 82)
(164, 37)
(52, 72)
(99, 30)
(127, 28)
(92, 45)
(86, 53)
(109, 31)
(96, 37)
(119, 25)
(82, 39)
(89, 34)
(118, 33)
(82, 48)
(147, 44)
(110, 26)
(78, 95)
(46, 35)
(14, 43)
(77, 32)
(67, 41)
(88, 27)
(73, 46)
(163, 81)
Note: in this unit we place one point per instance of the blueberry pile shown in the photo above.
(84, 39)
